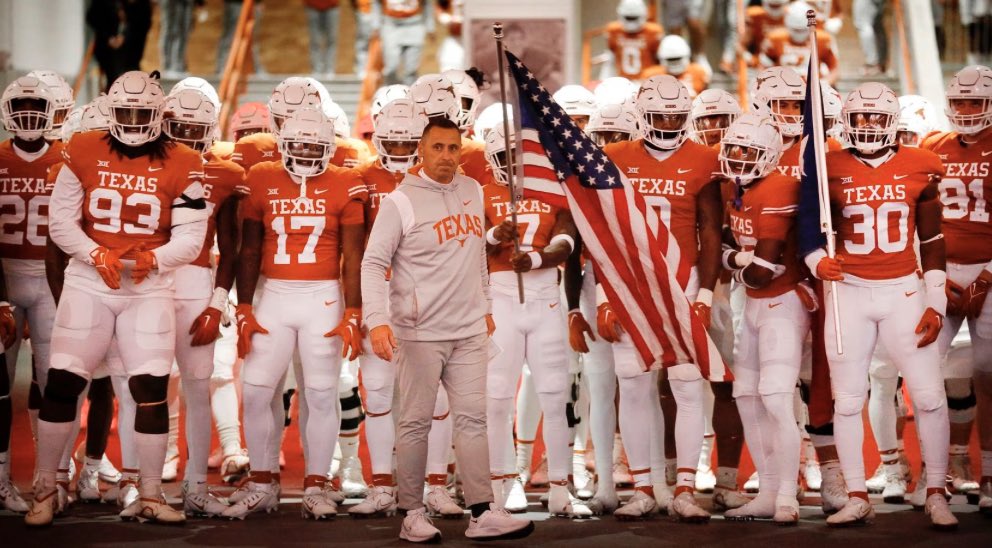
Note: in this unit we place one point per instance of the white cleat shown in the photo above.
(10, 497)
(786, 512)
(940, 514)
(127, 497)
(705, 480)
(562, 503)
(895, 486)
(43, 510)
(585, 484)
(516, 499)
(379, 502)
(260, 497)
(158, 511)
(751, 485)
(621, 474)
(497, 523)
(170, 470)
(959, 477)
(663, 496)
(639, 506)
(316, 503)
(812, 475)
(234, 467)
(761, 507)
(417, 527)
(833, 492)
(352, 483)
(728, 499)
(88, 485)
(985, 498)
(876, 483)
(686, 509)
(440, 504)
(108, 472)
(199, 501)
(603, 503)
(856, 512)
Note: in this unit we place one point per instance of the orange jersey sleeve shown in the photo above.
(379, 182)
(221, 180)
(874, 210)
(222, 149)
(349, 153)
(24, 196)
(670, 187)
(767, 212)
(964, 193)
(535, 223)
(129, 201)
(255, 148)
(633, 52)
(302, 236)
(474, 163)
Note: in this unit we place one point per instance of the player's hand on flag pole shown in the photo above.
(830, 269)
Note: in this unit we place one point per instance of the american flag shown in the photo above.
(626, 240)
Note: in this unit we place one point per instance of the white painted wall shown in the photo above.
(45, 34)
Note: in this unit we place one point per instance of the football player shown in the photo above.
(776, 313)
(759, 21)
(966, 226)
(249, 119)
(676, 59)
(466, 86)
(677, 178)
(579, 103)
(303, 243)
(883, 197)
(434, 95)
(614, 123)
(713, 111)
(64, 100)
(109, 206)
(534, 331)
(789, 47)
(632, 40)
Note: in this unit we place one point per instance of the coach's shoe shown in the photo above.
(156, 510)
(316, 504)
(857, 511)
(876, 483)
(233, 467)
(562, 503)
(751, 485)
(985, 496)
(663, 496)
(786, 512)
(199, 501)
(516, 498)
(43, 508)
(895, 485)
(88, 485)
(940, 514)
(170, 471)
(725, 498)
(833, 492)
(440, 503)
(417, 527)
(686, 509)
(379, 502)
(760, 507)
(352, 483)
(497, 523)
(10, 497)
(959, 477)
(260, 497)
(639, 506)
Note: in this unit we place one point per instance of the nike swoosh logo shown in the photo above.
(466, 203)
(773, 305)
(897, 177)
(986, 153)
(253, 505)
(329, 303)
(747, 208)
(553, 306)
(150, 168)
(681, 171)
(320, 191)
(910, 293)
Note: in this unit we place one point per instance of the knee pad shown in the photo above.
(961, 400)
(929, 399)
(351, 411)
(320, 400)
(64, 387)
(150, 393)
(823, 430)
(849, 404)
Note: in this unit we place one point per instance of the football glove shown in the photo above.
(578, 327)
(350, 331)
(247, 327)
(607, 323)
(108, 264)
(929, 326)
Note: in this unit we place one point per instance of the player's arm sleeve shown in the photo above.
(65, 216)
(387, 231)
(189, 229)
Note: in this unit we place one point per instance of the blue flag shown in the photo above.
(809, 228)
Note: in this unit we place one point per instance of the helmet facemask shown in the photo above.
(969, 115)
(666, 130)
(134, 126)
(29, 118)
(709, 130)
(869, 131)
(397, 156)
(196, 135)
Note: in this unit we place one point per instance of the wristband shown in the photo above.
(491, 237)
(936, 296)
(535, 260)
(764, 264)
(705, 296)
(813, 258)
(727, 258)
(219, 299)
(574, 311)
(564, 238)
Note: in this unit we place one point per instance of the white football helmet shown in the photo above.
(614, 123)
(306, 142)
(774, 86)
(386, 94)
(96, 115)
(490, 117)
(190, 117)
(73, 124)
(28, 106)
(796, 22)
(775, 8)
(832, 104)
(970, 83)
(291, 94)
(397, 135)
(61, 91)
(870, 117)
(434, 96)
(199, 84)
(499, 161)
(615, 89)
(751, 149)
(632, 14)
(664, 105)
(467, 93)
(713, 111)
(135, 101)
(342, 127)
(576, 100)
(674, 53)
(917, 118)
(250, 118)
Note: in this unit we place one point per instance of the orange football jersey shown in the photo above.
(535, 222)
(302, 237)
(474, 163)
(780, 50)
(695, 78)
(874, 210)
(964, 193)
(222, 149)
(758, 24)
(24, 195)
(129, 201)
(670, 186)
(221, 179)
(633, 52)
(255, 148)
(788, 164)
(767, 212)
(379, 181)
(401, 8)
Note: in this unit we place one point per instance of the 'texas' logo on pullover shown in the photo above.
(458, 228)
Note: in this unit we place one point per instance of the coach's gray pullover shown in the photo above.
(433, 237)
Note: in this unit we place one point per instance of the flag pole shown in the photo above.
(819, 147)
(498, 35)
